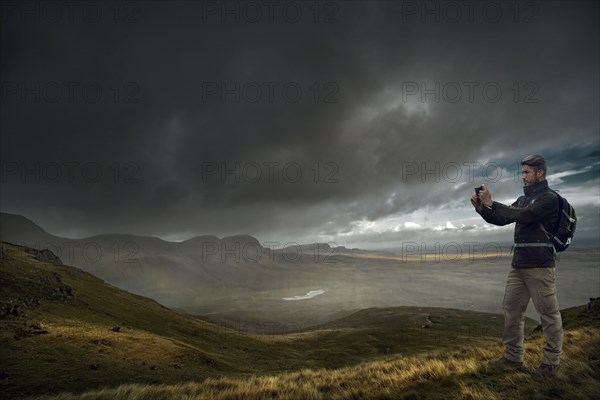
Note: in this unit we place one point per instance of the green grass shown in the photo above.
(460, 374)
(162, 354)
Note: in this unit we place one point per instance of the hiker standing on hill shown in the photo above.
(533, 265)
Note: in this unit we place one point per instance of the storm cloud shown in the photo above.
(325, 121)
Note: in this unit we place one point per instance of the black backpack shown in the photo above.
(562, 234)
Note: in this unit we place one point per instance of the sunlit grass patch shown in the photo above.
(461, 374)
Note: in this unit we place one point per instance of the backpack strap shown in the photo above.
(551, 235)
(533, 245)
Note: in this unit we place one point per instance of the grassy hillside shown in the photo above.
(458, 374)
(63, 330)
(76, 348)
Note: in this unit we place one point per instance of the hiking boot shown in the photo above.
(505, 363)
(546, 369)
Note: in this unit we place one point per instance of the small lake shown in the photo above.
(309, 295)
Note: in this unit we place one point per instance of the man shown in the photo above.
(533, 265)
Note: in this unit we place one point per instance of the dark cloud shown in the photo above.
(177, 108)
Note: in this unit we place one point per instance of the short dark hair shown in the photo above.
(535, 161)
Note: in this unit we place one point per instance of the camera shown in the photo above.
(478, 189)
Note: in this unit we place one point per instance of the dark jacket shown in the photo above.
(538, 205)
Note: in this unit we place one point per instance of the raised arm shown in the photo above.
(490, 215)
(539, 210)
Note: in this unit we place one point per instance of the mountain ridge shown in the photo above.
(20, 222)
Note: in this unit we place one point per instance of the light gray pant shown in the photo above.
(539, 284)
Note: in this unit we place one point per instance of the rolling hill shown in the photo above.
(62, 330)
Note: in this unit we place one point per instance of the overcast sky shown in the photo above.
(365, 124)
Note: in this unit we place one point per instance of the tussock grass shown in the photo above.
(460, 374)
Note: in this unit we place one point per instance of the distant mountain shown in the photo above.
(204, 274)
(194, 272)
(17, 228)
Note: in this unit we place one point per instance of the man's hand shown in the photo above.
(475, 201)
(485, 196)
